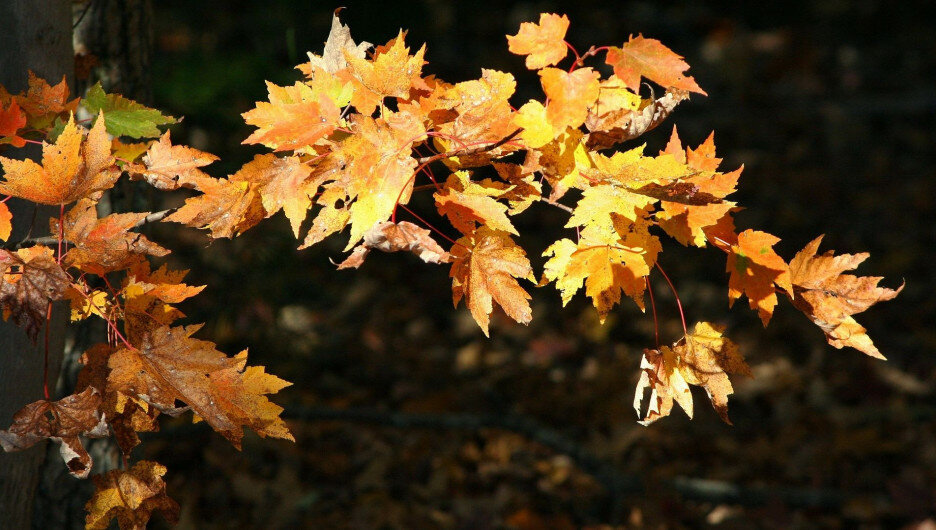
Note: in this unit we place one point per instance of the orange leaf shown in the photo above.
(283, 185)
(651, 59)
(226, 207)
(543, 43)
(466, 203)
(393, 237)
(147, 298)
(484, 269)
(170, 366)
(131, 496)
(104, 245)
(570, 95)
(43, 99)
(61, 421)
(755, 268)
(390, 73)
(169, 167)
(12, 119)
(73, 167)
(295, 117)
(6, 222)
(829, 298)
(30, 280)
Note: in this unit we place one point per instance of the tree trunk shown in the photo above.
(36, 36)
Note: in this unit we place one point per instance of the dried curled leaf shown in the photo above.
(61, 421)
(31, 279)
(704, 358)
(131, 496)
(829, 298)
(394, 237)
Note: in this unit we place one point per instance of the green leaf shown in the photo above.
(125, 117)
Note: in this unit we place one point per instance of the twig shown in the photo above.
(51, 240)
(468, 151)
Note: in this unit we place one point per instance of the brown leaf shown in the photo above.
(30, 280)
(394, 237)
(131, 496)
(61, 421)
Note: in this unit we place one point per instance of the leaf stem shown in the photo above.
(682, 315)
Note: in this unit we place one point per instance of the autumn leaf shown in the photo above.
(61, 421)
(542, 43)
(570, 95)
(31, 279)
(537, 131)
(283, 185)
(703, 357)
(42, 101)
(294, 118)
(73, 167)
(131, 496)
(829, 298)
(640, 57)
(125, 117)
(12, 120)
(170, 366)
(168, 167)
(338, 44)
(484, 270)
(394, 237)
(482, 110)
(392, 71)
(104, 245)
(6, 222)
(226, 207)
(468, 204)
(755, 268)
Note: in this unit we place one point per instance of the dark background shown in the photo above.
(831, 107)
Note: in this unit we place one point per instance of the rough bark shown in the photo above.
(36, 36)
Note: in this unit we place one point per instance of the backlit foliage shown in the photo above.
(352, 142)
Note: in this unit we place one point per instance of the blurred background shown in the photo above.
(406, 416)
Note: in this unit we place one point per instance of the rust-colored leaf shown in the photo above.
(12, 120)
(755, 268)
(61, 421)
(570, 95)
(226, 207)
(168, 167)
(6, 222)
(31, 279)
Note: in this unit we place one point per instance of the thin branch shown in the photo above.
(469, 150)
(51, 240)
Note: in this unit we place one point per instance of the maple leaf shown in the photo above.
(485, 266)
(61, 421)
(85, 303)
(829, 298)
(43, 101)
(640, 57)
(170, 366)
(338, 44)
(570, 95)
(483, 112)
(537, 131)
(226, 207)
(12, 120)
(148, 295)
(606, 262)
(543, 43)
(283, 185)
(295, 117)
(6, 222)
(125, 117)
(131, 496)
(755, 268)
(703, 357)
(466, 203)
(622, 124)
(394, 237)
(31, 279)
(392, 71)
(72, 168)
(168, 167)
(104, 245)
